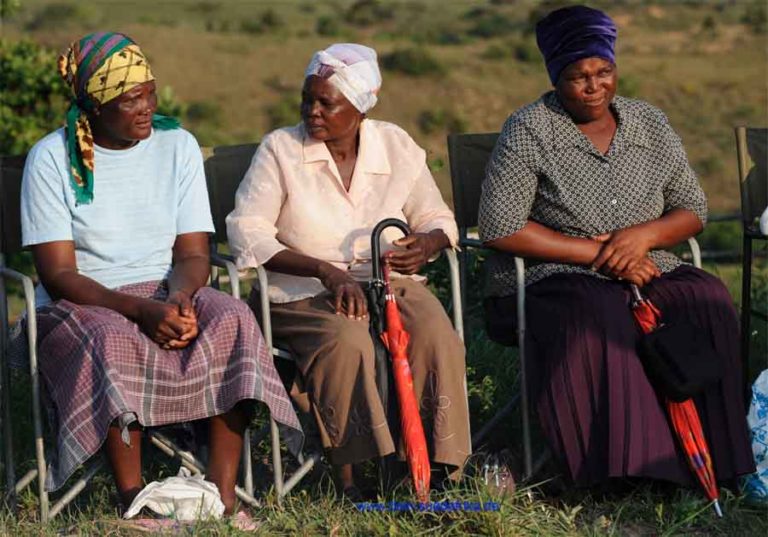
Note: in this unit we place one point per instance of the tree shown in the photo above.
(34, 99)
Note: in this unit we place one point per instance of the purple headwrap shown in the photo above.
(573, 33)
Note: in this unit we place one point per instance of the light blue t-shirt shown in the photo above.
(143, 197)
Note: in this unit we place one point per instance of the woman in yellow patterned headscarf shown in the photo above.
(98, 68)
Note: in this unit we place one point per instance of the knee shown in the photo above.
(351, 340)
(213, 307)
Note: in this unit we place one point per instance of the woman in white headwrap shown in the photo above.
(305, 210)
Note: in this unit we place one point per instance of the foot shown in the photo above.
(353, 494)
(243, 521)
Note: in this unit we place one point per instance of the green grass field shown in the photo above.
(233, 70)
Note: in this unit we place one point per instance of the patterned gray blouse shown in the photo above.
(545, 169)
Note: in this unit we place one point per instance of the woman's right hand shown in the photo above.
(349, 298)
(641, 273)
(163, 323)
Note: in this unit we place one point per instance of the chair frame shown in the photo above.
(467, 216)
(750, 233)
(10, 240)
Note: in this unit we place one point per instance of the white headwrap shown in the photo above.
(352, 69)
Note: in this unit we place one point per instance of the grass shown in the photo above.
(542, 508)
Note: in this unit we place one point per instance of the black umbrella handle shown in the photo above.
(376, 247)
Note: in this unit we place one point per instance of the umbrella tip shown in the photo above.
(719, 511)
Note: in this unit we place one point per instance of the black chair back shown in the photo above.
(11, 171)
(468, 155)
(225, 167)
(752, 144)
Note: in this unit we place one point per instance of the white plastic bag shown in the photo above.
(185, 498)
(756, 485)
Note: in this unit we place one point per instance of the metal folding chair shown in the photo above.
(468, 155)
(11, 170)
(225, 167)
(752, 153)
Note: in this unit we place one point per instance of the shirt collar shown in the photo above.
(371, 155)
(566, 134)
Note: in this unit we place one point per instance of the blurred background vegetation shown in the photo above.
(232, 71)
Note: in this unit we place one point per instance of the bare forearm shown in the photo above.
(540, 242)
(292, 262)
(671, 229)
(72, 286)
(189, 274)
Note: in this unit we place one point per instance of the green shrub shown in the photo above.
(526, 51)
(441, 36)
(368, 12)
(522, 50)
(412, 61)
(284, 112)
(442, 119)
(328, 26)
(266, 22)
(756, 17)
(62, 14)
(34, 98)
(169, 105)
(629, 86)
(204, 112)
(492, 25)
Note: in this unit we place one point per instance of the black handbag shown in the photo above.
(679, 360)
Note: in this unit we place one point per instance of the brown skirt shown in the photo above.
(337, 384)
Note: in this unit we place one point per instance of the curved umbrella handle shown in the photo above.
(376, 247)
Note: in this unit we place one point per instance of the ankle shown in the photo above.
(127, 496)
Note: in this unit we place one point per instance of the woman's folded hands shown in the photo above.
(171, 324)
(624, 255)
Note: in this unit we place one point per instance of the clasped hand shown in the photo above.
(624, 256)
(171, 324)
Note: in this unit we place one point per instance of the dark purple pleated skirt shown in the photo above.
(596, 407)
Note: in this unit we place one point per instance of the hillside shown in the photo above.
(237, 66)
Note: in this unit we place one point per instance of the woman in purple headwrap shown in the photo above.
(592, 187)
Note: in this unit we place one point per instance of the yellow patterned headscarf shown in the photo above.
(98, 68)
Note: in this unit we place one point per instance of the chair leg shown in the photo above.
(5, 398)
(38, 427)
(247, 462)
(277, 461)
(527, 456)
(746, 312)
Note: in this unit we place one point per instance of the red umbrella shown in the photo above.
(396, 340)
(683, 415)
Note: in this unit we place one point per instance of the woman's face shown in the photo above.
(127, 118)
(326, 113)
(586, 88)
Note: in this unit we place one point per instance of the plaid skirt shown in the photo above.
(98, 366)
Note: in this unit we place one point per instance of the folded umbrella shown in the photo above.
(683, 415)
(395, 339)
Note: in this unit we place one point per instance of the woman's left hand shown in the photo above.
(419, 248)
(622, 250)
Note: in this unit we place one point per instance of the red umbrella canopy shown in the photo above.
(396, 340)
(683, 416)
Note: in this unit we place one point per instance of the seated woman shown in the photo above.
(305, 210)
(592, 187)
(114, 206)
